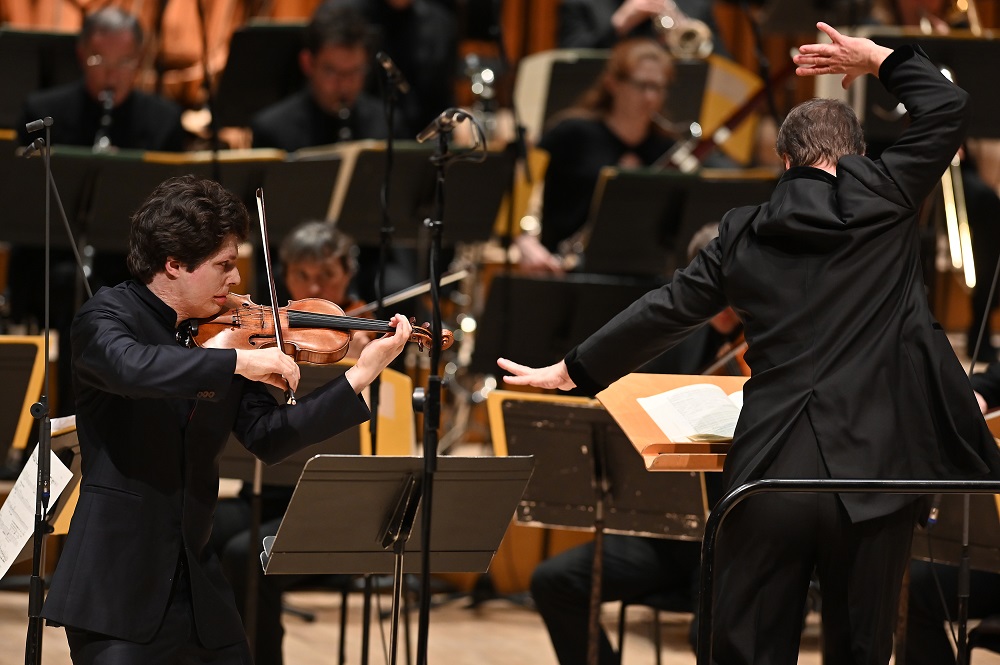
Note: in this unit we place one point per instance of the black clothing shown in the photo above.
(983, 208)
(587, 23)
(152, 419)
(987, 384)
(298, 122)
(423, 42)
(579, 148)
(844, 352)
(141, 122)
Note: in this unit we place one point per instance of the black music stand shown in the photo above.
(22, 189)
(298, 191)
(642, 220)
(354, 204)
(262, 68)
(942, 542)
(570, 440)
(32, 60)
(541, 319)
(963, 54)
(379, 507)
(588, 475)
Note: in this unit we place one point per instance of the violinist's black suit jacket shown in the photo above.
(152, 419)
(827, 279)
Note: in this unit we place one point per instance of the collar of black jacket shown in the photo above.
(808, 172)
(164, 312)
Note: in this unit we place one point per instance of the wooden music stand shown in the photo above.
(657, 451)
(22, 364)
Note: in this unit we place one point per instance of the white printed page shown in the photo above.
(700, 412)
(17, 515)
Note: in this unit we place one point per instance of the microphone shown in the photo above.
(33, 147)
(392, 72)
(38, 125)
(444, 123)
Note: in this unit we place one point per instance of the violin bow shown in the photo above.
(289, 395)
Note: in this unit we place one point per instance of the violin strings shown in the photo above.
(317, 320)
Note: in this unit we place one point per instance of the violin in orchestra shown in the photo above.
(313, 330)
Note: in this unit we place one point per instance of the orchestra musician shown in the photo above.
(137, 581)
(852, 376)
(317, 261)
(602, 23)
(613, 125)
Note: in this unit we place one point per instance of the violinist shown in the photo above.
(137, 582)
(852, 376)
(317, 261)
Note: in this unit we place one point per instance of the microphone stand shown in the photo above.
(431, 401)
(40, 411)
(390, 90)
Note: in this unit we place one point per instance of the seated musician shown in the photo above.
(104, 109)
(614, 124)
(934, 587)
(633, 566)
(317, 261)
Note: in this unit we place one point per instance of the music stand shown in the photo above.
(22, 364)
(541, 319)
(32, 60)
(564, 435)
(262, 68)
(475, 191)
(942, 542)
(22, 189)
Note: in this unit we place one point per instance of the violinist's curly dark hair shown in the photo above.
(185, 218)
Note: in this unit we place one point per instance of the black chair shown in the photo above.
(658, 601)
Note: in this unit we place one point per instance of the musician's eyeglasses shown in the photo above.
(98, 62)
(648, 86)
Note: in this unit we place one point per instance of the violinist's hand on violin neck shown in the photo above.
(269, 366)
(553, 376)
(378, 353)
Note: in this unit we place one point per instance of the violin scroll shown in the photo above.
(423, 338)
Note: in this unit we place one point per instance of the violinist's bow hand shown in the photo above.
(553, 376)
(270, 366)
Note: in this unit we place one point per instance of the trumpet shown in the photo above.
(686, 38)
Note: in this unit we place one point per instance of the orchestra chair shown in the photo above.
(986, 635)
(658, 601)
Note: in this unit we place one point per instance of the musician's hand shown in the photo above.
(378, 353)
(850, 56)
(633, 12)
(270, 366)
(553, 376)
(535, 258)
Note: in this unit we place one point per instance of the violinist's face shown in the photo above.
(327, 279)
(202, 292)
(336, 75)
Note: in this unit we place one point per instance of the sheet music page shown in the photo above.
(17, 515)
(699, 412)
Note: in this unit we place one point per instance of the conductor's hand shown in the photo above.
(378, 353)
(850, 56)
(268, 366)
(553, 376)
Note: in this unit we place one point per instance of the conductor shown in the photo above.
(851, 375)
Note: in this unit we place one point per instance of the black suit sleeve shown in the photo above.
(652, 324)
(939, 114)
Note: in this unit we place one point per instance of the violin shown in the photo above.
(313, 330)
(730, 361)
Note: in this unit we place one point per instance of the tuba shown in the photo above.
(686, 38)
